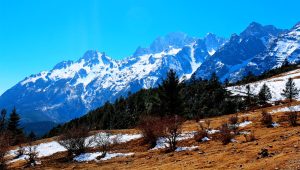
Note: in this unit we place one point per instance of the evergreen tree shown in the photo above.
(2, 120)
(250, 99)
(32, 136)
(285, 63)
(264, 94)
(290, 92)
(226, 83)
(169, 94)
(14, 127)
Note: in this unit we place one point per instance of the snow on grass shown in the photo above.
(274, 124)
(93, 156)
(191, 148)
(276, 85)
(244, 132)
(288, 109)
(244, 124)
(205, 139)
(162, 143)
(50, 148)
(212, 131)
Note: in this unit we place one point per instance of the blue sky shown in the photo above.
(37, 34)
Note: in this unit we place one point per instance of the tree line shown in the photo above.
(193, 99)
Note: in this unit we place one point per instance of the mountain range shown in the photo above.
(72, 88)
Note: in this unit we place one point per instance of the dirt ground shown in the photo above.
(282, 142)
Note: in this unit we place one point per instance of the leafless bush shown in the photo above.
(31, 154)
(102, 140)
(3, 150)
(249, 137)
(152, 128)
(266, 119)
(207, 122)
(244, 118)
(233, 120)
(75, 141)
(225, 135)
(292, 118)
(172, 130)
(200, 134)
(202, 131)
(20, 152)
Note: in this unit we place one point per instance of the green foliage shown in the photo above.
(169, 94)
(264, 94)
(14, 129)
(194, 99)
(291, 91)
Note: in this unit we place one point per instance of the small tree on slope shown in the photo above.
(264, 94)
(14, 129)
(290, 92)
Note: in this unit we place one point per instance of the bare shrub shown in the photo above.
(172, 130)
(200, 134)
(233, 120)
(20, 152)
(3, 150)
(225, 135)
(75, 141)
(102, 140)
(249, 137)
(31, 153)
(292, 118)
(207, 122)
(151, 128)
(266, 119)
(244, 118)
(202, 131)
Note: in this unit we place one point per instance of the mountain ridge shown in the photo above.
(72, 88)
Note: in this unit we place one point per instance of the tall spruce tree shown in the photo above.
(169, 94)
(14, 129)
(2, 120)
(291, 91)
(264, 94)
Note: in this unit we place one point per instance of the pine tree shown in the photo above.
(290, 92)
(170, 99)
(264, 94)
(14, 127)
(32, 136)
(2, 120)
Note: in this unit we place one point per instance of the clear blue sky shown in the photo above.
(37, 34)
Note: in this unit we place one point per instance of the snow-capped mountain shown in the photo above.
(72, 88)
(239, 52)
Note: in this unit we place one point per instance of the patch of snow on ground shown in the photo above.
(50, 148)
(162, 143)
(274, 124)
(246, 123)
(178, 149)
(92, 156)
(205, 139)
(288, 109)
(213, 131)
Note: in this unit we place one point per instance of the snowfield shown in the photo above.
(50, 148)
(93, 156)
(288, 109)
(276, 85)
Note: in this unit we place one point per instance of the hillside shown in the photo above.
(282, 143)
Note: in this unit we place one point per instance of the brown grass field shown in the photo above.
(282, 142)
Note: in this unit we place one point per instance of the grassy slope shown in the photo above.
(283, 141)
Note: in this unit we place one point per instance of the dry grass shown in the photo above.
(282, 141)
